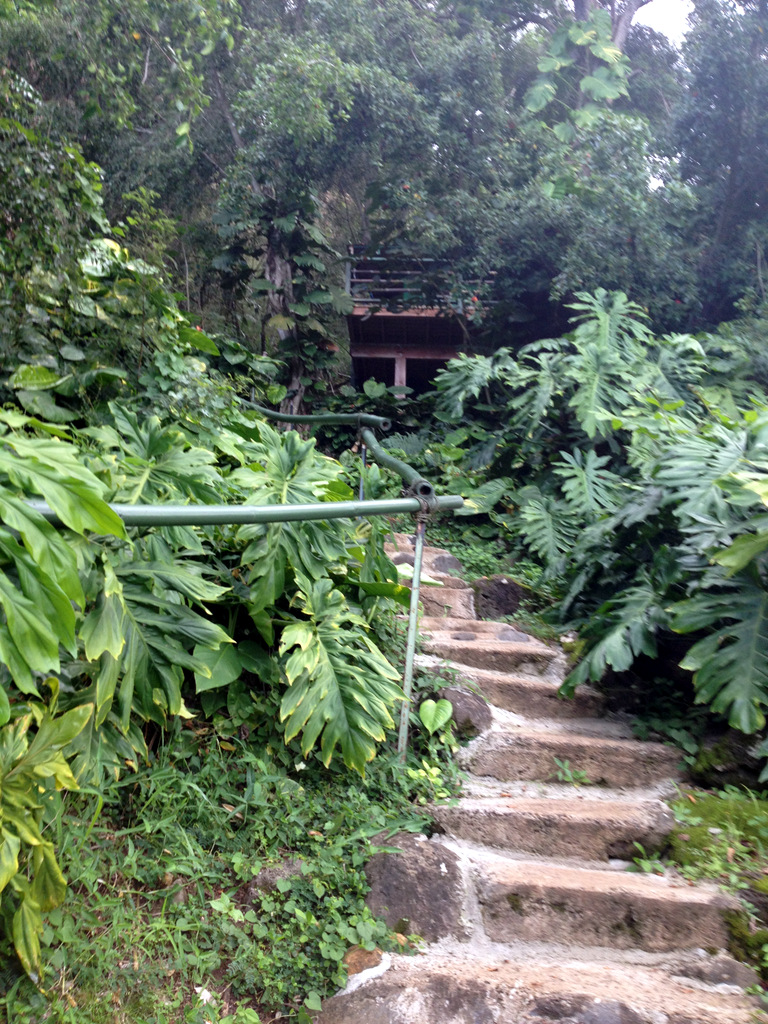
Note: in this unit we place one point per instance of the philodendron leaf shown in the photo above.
(435, 714)
(224, 666)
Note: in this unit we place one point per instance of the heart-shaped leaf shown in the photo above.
(435, 714)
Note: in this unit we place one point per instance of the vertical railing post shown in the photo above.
(410, 648)
(361, 488)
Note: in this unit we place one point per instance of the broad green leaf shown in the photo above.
(55, 733)
(282, 323)
(542, 92)
(43, 404)
(45, 544)
(602, 87)
(224, 667)
(394, 591)
(743, 550)
(27, 928)
(9, 856)
(197, 339)
(435, 714)
(71, 353)
(32, 634)
(48, 885)
(5, 707)
(33, 378)
(102, 630)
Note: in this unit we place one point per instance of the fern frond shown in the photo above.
(602, 381)
(464, 377)
(691, 468)
(610, 319)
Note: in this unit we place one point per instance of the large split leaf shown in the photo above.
(341, 688)
(730, 665)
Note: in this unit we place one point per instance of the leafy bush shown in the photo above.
(624, 464)
(117, 630)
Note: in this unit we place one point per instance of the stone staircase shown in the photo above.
(549, 926)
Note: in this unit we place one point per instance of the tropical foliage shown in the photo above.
(116, 630)
(634, 470)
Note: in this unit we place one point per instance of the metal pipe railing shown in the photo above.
(237, 515)
(348, 419)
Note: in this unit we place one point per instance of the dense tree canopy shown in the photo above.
(548, 144)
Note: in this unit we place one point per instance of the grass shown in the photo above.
(722, 836)
(216, 885)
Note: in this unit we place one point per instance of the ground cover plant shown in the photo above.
(217, 882)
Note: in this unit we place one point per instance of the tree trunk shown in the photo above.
(622, 15)
(622, 19)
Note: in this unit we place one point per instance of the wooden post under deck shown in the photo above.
(400, 369)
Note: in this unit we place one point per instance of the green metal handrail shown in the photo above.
(213, 515)
(349, 419)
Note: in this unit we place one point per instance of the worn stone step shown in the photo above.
(458, 601)
(531, 697)
(495, 655)
(538, 901)
(572, 826)
(527, 754)
(447, 623)
(496, 986)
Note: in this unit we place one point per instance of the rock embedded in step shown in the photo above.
(268, 877)
(393, 1000)
(471, 712)
(721, 970)
(418, 890)
(357, 959)
(463, 635)
(403, 558)
(513, 635)
(497, 596)
(446, 563)
(578, 1009)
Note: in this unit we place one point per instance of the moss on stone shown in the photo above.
(745, 942)
(516, 904)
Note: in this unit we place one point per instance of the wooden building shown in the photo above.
(399, 331)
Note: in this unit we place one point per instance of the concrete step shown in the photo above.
(528, 754)
(538, 901)
(495, 655)
(532, 697)
(505, 986)
(574, 826)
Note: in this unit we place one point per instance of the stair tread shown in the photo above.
(563, 735)
(541, 874)
(573, 807)
(521, 984)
